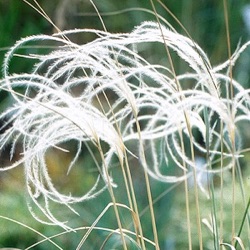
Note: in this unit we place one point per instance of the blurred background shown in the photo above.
(204, 21)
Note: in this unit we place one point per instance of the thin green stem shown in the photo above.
(243, 220)
(246, 204)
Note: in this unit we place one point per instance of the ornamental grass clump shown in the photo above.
(106, 95)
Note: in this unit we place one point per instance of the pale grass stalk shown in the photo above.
(41, 11)
(90, 229)
(127, 174)
(127, 179)
(189, 229)
(196, 193)
(93, 226)
(178, 87)
(233, 193)
(137, 223)
(192, 154)
(33, 230)
(210, 184)
(112, 195)
(128, 182)
(206, 65)
(232, 132)
(221, 188)
(132, 202)
(150, 199)
(133, 205)
(207, 139)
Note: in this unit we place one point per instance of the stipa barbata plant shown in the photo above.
(65, 98)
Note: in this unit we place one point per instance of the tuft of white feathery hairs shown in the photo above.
(64, 99)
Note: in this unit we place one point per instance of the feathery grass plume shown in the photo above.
(63, 101)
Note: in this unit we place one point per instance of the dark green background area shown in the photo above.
(204, 20)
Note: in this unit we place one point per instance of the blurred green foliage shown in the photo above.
(18, 20)
(204, 20)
